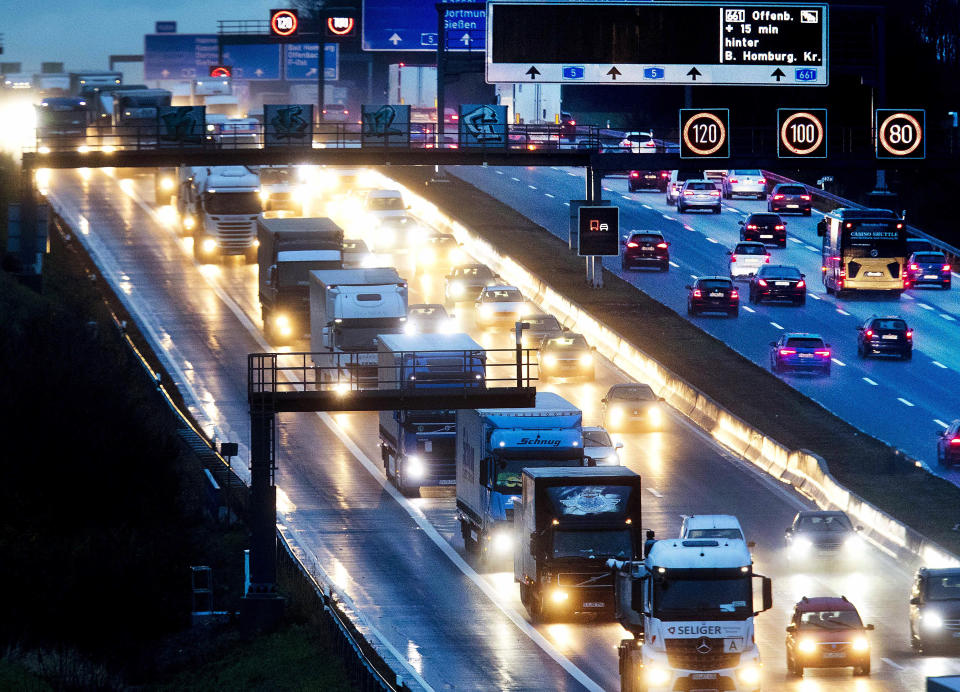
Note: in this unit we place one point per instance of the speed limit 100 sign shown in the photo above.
(704, 133)
(901, 133)
(802, 133)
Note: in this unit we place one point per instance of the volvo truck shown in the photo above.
(418, 448)
(288, 249)
(493, 448)
(690, 605)
(219, 205)
(568, 523)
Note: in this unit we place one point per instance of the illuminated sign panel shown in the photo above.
(599, 231)
(900, 134)
(704, 133)
(802, 133)
(283, 22)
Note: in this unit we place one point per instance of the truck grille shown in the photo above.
(703, 653)
(951, 625)
(234, 235)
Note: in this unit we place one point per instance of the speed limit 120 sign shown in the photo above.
(802, 133)
(704, 133)
(284, 22)
(901, 134)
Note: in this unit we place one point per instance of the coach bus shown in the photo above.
(863, 250)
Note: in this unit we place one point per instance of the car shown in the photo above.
(567, 355)
(791, 197)
(885, 335)
(465, 282)
(746, 258)
(631, 405)
(700, 526)
(335, 113)
(827, 632)
(919, 245)
(645, 249)
(766, 228)
(637, 143)
(648, 180)
(948, 445)
(747, 182)
(599, 449)
(825, 535)
(356, 254)
(778, 282)
(799, 352)
(500, 303)
(568, 126)
(676, 181)
(439, 249)
(929, 268)
(699, 194)
(719, 176)
(541, 325)
(713, 294)
(429, 318)
(935, 609)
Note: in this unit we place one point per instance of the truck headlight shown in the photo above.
(656, 676)
(931, 620)
(264, 196)
(282, 323)
(559, 596)
(854, 544)
(486, 311)
(428, 257)
(616, 414)
(457, 289)
(586, 359)
(209, 245)
(654, 415)
(166, 184)
(807, 645)
(410, 328)
(189, 222)
(414, 467)
(749, 674)
(550, 360)
(861, 644)
(502, 542)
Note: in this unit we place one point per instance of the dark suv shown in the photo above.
(928, 268)
(778, 282)
(648, 180)
(935, 609)
(768, 229)
(713, 294)
(645, 249)
(826, 535)
(800, 352)
(880, 335)
(790, 197)
(948, 445)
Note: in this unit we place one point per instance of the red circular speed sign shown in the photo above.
(802, 133)
(283, 22)
(900, 133)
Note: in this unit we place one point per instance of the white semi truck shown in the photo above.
(493, 448)
(348, 309)
(220, 205)
(690, 606)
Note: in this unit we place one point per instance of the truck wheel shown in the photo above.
(470, 545)
(862, 670)
(250, 255)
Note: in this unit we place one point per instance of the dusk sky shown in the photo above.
(83, 34)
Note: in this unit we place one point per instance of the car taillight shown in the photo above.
(735, 294)
(779, 227)
(869, 332)
(664, 174)
(801, 284)
(687, 193)
(714, 193)
(909, 333)
(761, 282)
(805, 198)
(787, 351)
(955, 441)
(531, 147)
(651, 143)
(733, 258)
(751, 227)
(825, 354)
(762, 181)
(945, 268)
(697, 293)
(633, 244)
(571, 122)
(768, 259)
(733, 181)
(778, 196)
(914, 267)
(634, 174)
(324, 111)
(662, 246)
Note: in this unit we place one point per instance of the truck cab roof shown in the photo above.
(545, 401)
(358, 277)
(676, 553)
(707, 526)
(429, 342)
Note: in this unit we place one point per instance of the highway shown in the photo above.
(903, 403)
(455, 622)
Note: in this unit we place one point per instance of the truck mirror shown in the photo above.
(272, 274)
(751, 544)
(740, 222)
(618, 445)
(869, 628)
(484, 472)
(822, 227)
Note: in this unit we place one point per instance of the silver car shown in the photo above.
(744, 182)
(699, 194)
(599, 448)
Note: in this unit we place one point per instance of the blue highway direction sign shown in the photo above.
(253, 60)
(412, 26)
(179, 56)
(301, 61)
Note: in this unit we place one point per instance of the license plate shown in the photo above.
(716, 295)
(650, 177)
(874, 273)
(648, 248)
(766, 235)
(835, 654)
(703, 676)
(955, 635)
(930, 276)
(451, 481)
(594, 604)
(781, 283)
(889, 336)
(806, 355)
(793, 206)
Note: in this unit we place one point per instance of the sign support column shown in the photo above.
(594, 194)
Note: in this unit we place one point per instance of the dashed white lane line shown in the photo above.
(811, 248)
(668, 218)
(655, 492)
(904, 401)
(776, 325)
(869, 381)
(626, 197)
(513, 178)
(735, 211)
(814, 296)
(939, 364)
(566, 204)
(949, 318)
(748, 308)
(795, 240)
(842, 312)
(926, 307)
(892, 664)
(940, 423)
(674, 264)
(646, 206)
(717, 242)
(548, 195)
(532, 187)
(906, 296)
(839, 362)
(688, 227)
(608, 189)
(693, 276)
(571, 173)
(499, 172)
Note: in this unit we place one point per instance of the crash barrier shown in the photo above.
(803, 470)
(367, 669)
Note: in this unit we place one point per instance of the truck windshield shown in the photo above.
(298, 273)
(703, 599)
(507, 474)
(593, 544)
(246, 203)
(275, 176)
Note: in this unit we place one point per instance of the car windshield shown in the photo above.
(896, 325)
(930, 258)
(473, 272)
(750, 250)
(677, 598)
(715, 533)
(779, 272)
(944, 588)
(385, 203)
(714, 284)
(830, 619)
(543, 323)
(593, 544)
(792, 190)
(635, 392)
(232, 203)
(503, 296)
(764, 219)
(638, 136)
(275, 176)
(427, 311)
(596, 438)
(701, 186)
(571, 341)
(646, 238)
(829, 522)
(754, 172)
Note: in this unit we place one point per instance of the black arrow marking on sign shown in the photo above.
(533, 72)
(613, 72)
(778, 73)
(694, 73)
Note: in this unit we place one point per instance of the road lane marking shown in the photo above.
(655, 492)
(532, 187)
(892, 664)
(945, 316)
(735, 211)
(842, 312)
(906, 297)
(748, 308)
(693, 276)
(940, 423)
(839, 362)
(812, 249)
(869, 381)
(926, 307)
(512, 178)
(904, 401)
(548, 195)
(566, 204)
(668, 218)
(776, 325)
(813, 295)
(939, 364)
(575, 175)
(646, 206)
(627, 197)
(795, 240)
(674, 264)
(688, 227)
(712, 240)
(499, 172)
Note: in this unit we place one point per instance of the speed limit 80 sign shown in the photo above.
(901, 133)
(704, 133)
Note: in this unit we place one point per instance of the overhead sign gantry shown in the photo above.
(770, 44)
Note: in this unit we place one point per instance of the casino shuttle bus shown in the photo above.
(493, 448)
(863, 250)
(690, 606)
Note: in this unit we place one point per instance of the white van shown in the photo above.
(711, 526)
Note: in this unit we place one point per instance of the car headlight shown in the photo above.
(189, 222)
(414, 467)
(656, 676)
(550, 360)
(457, 288)
(410, 328)
(386, 238)
(209, 245)
(854, 544)
(749, 674)
(486, 310)
(801, 545)
(502, 542)
(559, 596)
(861, 644)
(283, 325)
(166, 184)
(616, 413)
(264, 196)
(654, 415)
(807, 645)
(302, 194)
(586, 359)
(931, 620)
(612, 460)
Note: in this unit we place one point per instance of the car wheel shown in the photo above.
(774, 364)
(782, 245)
(940, 461)
(689, 309)
(717, 209)
(861, 351)
(681, 209)
(946, 286)
(826, 371)
(862, 670)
